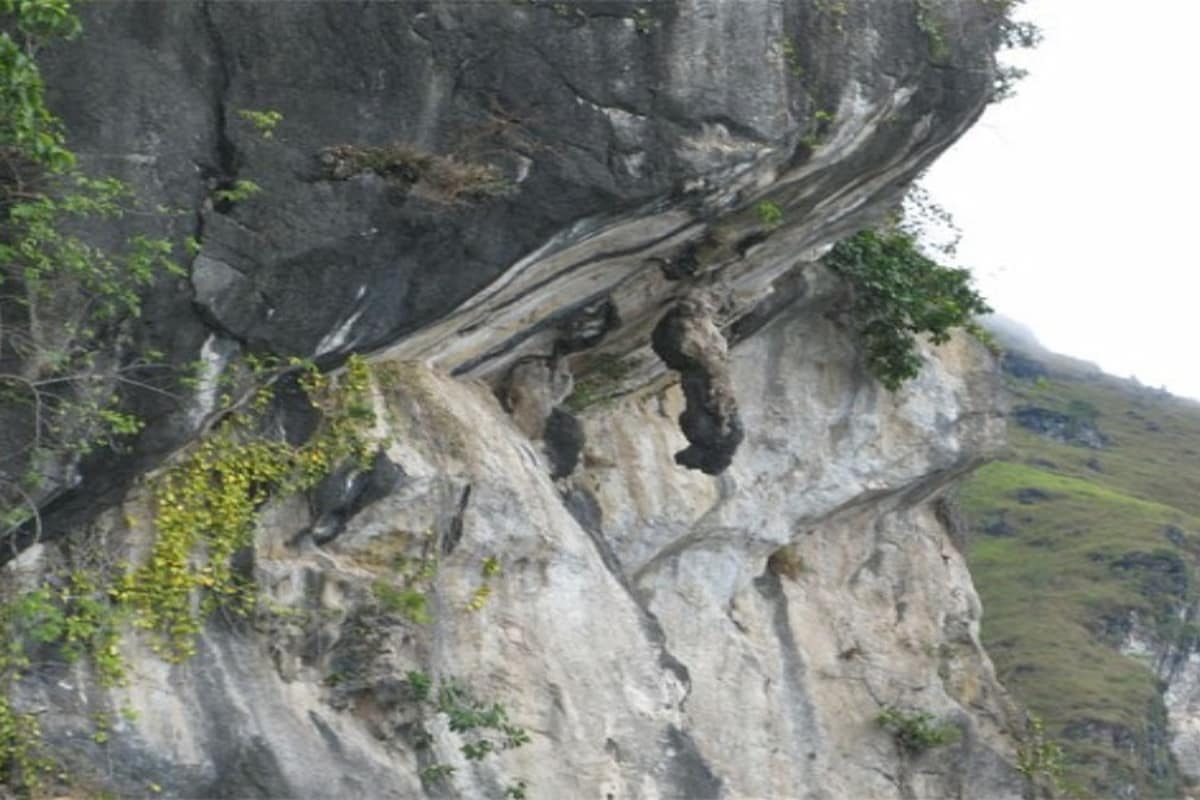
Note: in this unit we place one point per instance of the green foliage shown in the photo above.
(240, 191)
(466, 713)
(985, 338)
(407, 601)
(822, 120)
(64, 295)
(62, 292)
(420, 685)
(490, 569)
(769, 213)
(74, 617)
(934, 29)
(603, 372)
(791, 54)
(1039, 758)
(898, 293)
(206, 505)
(436, 772)
(22, 763)
(38, 252)
(91, 627)
(1082, 410)
(1010, 33)
(404, 591)
(264, 121)
(28, 130)
(1004, 83)
(833, 8)
(916, 731)
(484, 726)
(479, 598)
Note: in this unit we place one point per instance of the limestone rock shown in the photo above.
(620, 610)
(689, 341)
(650, 651)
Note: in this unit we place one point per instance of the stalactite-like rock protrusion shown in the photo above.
(688, 340)
(531, 390)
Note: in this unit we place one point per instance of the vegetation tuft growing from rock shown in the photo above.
(206, 506)
(448, 179)
(1040, 758)
(916, 731)
(484, 726)
(604, 372)
(898, 294)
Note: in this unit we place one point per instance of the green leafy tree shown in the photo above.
(65, 297)
(29, 132)
(899, 293)
(1010, 33)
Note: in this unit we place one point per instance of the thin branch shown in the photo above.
(35, 513)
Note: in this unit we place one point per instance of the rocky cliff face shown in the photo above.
(659, 632)
(635, 499)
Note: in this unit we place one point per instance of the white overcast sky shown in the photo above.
(1077, 198)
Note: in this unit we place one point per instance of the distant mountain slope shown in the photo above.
(1085, 544)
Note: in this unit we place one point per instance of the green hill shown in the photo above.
(1086, 535)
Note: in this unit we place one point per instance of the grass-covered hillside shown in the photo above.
(1085, 533)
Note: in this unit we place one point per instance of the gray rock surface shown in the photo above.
(660, 632)
(1171, 752)
(629, 135)
(651, 651)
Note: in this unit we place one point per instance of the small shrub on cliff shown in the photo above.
(769, 213)
(447, 179)
(916, 731)
(483, 726)
(898, 292)
(1038, 758)
(264, 122)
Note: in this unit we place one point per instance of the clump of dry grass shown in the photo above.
(444, 179)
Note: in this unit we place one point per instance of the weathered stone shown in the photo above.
(633, 629)
(1067, 428)
(689, 341)
(587, 326)
(531, 390)
(564, 440)
(620, 608)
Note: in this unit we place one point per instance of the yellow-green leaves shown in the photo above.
(206, 506)
(264, 122)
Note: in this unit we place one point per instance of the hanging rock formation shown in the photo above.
(689, 341)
